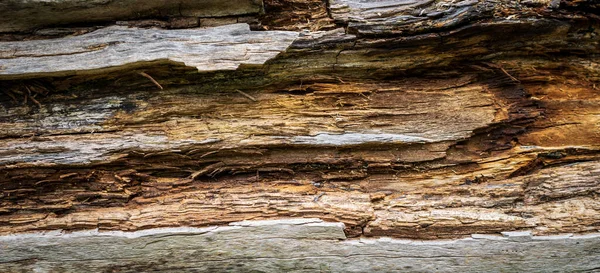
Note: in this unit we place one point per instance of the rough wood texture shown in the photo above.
(410, 17)
(23, 15)
(303, 245)
(411, 119)
(117, 48)
(296, 15)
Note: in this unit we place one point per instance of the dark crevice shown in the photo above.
(556, 158)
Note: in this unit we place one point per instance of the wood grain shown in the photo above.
(408, 119)
(26, 15)
(120, 48)
(295, 245)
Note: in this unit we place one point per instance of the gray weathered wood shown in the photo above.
(218, 48)
(294, 245)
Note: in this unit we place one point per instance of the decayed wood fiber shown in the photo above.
(481, 117)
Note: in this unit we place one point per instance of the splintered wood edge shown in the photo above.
(273, 245)
(120, 48)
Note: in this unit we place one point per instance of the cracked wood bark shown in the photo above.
(409, 119)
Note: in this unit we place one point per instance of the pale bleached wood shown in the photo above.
(114, 48)
(295, 245)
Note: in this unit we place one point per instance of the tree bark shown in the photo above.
(407, 119)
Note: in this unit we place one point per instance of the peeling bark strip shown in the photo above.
(302, 245)
(410, 119)
(116, 48)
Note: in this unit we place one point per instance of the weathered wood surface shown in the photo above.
(306, 245)
(27, 15)
(546, 202)
(119, 48)
(423, 128)
(410, 17)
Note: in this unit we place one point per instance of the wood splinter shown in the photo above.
(318, 197)
(35, 101)
(32, 97)
(246, 95)
(152, 80)
(509, 75)
(504, 71)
